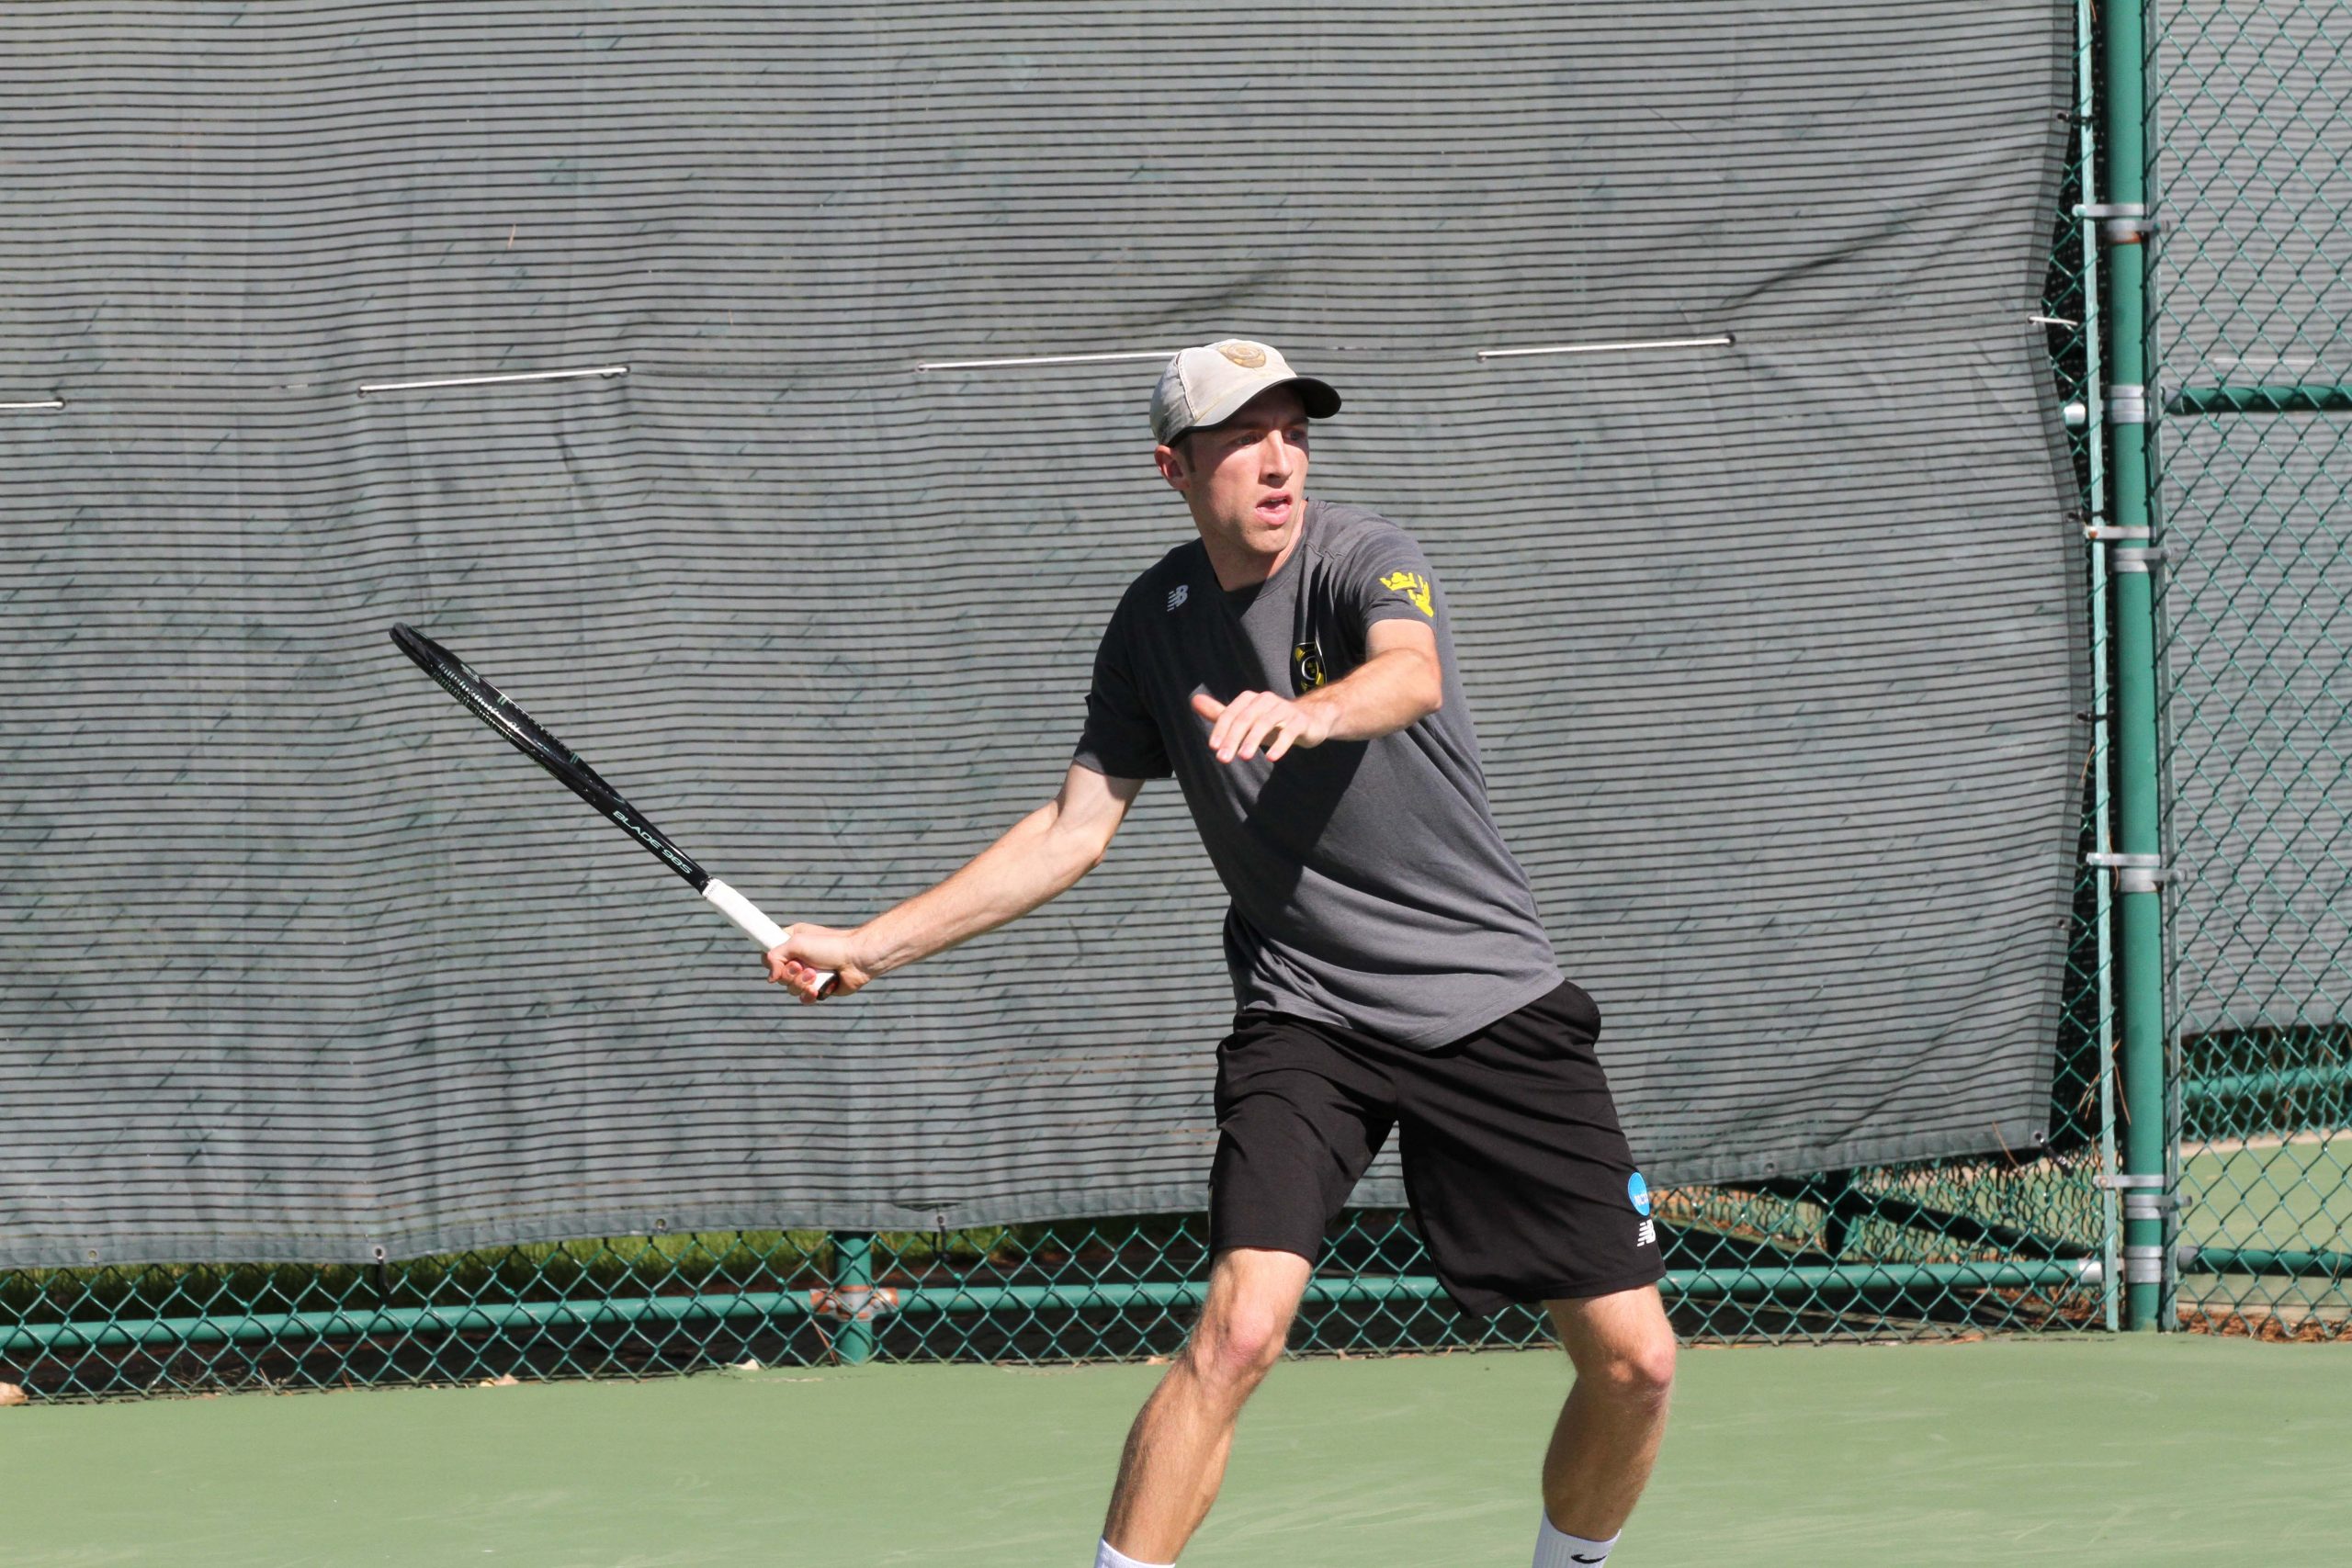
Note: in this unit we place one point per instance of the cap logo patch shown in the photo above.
(1247, 356)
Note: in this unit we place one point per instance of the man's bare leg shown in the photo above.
(1175, 1453)
(1609, 1431)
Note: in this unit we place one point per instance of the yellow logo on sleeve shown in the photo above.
(1413, 586)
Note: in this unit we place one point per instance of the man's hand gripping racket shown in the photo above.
(792, 967)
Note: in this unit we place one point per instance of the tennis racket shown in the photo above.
(526, 734)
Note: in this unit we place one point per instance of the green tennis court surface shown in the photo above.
(2183, 1449)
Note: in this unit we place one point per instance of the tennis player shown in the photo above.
(1292, 670)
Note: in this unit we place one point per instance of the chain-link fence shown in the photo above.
(1940, 1251)
(2250, 103)
(2253, 106)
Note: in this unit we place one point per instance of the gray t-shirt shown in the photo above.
(1370, 887)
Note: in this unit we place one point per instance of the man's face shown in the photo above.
(1246, 479)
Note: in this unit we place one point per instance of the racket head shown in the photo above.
(527, 735)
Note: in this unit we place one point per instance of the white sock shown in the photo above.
(1109, 1556)
(1556, 1548)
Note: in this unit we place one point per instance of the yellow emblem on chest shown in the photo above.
(1414, 586)
(1306, 667)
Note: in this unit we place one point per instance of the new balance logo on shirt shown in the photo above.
(1178, 594)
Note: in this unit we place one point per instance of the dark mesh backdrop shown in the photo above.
(1772, 645)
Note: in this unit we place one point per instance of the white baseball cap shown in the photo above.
(1208, 385)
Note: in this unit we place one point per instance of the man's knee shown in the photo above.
(1622, 1346)
(1236, 1348)
(1253, 1294)
(1640, 1370)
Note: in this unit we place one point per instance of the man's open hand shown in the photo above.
(1261, 719)
(806, 953)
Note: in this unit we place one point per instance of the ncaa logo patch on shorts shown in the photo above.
(1637, 1192)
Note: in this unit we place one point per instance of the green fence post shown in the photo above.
(853, 1296)
(2137, 862)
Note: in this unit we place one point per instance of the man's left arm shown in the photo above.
(1399, 682)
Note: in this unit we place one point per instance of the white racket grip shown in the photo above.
(756, 926)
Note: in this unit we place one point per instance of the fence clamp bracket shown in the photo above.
(2145, 1265)
(2133, 874)
(2127, 404)
(2139, 558)
(2119, 223)
(2111, 533)
(2146, 1196)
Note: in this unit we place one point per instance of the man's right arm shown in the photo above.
(1043, 854)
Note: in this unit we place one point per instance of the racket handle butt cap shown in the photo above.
(747, 915)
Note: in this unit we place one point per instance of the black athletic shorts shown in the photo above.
(1518, 1174)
